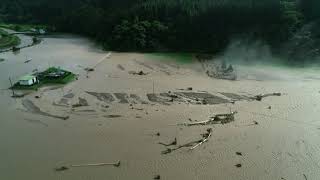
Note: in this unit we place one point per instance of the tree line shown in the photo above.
(166, 25)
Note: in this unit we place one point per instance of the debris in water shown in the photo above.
(105, 106)
(260, 97)
(305, 177)
(173, 143)
(191, 145)
(62, 168)
(112, 116)
(157, 177)
(121, 67)
(89, 69)
(238, 165)
(217, 119)
(123, 98)
(138, 109)
(117, 164)
(158, 134)
(140, 73)
(206, 136)
(239, 153)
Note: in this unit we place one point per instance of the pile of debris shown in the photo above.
(222, 71)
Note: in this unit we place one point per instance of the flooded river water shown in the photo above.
(20, 146)
(119, 115)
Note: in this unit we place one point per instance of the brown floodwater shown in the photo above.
(18, 147)
(276, 138)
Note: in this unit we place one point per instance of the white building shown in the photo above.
(28, 80)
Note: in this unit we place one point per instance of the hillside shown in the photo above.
(168, 25)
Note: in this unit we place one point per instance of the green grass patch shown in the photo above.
(8, 40)
(183, 58)
(47, 77)
(23, 27)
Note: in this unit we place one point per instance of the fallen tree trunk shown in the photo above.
(193, 144)
(206, 137)
(117, 164)
(64, 168)
(217, 119)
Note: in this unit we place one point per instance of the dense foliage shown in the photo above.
(173, 25)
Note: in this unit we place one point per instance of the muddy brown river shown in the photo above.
(111, 115)
(18, 147)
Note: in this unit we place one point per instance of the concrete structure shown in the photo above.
(28, 80)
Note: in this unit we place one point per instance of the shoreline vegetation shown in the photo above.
(7, 40)
(11, 42)
(23, 27)
(204, 26)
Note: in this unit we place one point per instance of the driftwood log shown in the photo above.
(117, 164)
(216, 119)
(205, 139)
(191, 145)
(64, 168)
(260, 97)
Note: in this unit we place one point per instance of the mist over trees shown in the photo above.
(166, 25)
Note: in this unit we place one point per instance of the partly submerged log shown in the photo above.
(260, 97)
(205, 139)
(191, 145)
(117, 164)
(64, 168)
(217, 119)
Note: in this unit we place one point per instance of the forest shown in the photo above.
(205, 26)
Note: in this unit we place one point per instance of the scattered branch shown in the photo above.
(64, 168)
(260, 97)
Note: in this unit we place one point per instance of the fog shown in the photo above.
(253, 60)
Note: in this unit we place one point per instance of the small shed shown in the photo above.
(28, 80)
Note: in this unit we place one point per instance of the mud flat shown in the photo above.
(214, 130)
